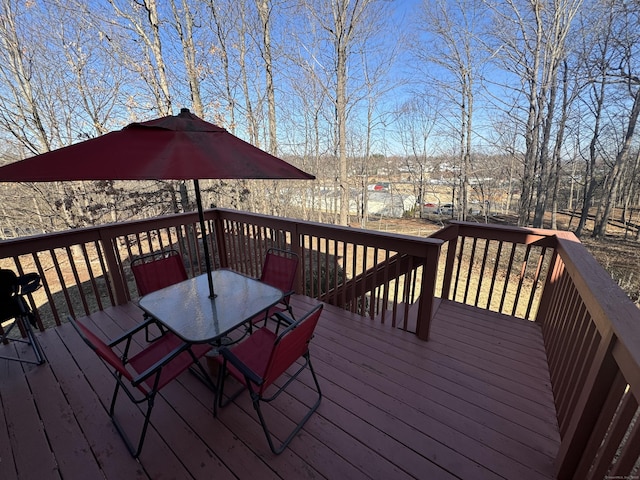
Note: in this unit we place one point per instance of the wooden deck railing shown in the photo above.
(87, 269)
(369, 273)
(502, 269)
(592, 337)
(591, 331)
(590, 327)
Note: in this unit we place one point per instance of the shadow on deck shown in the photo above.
(474, 402)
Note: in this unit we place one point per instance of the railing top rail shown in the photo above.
(164, 221)
(410, 244)
(505, 233)
(27, 245)
(608, 305)
(259, 219)
(46, 241)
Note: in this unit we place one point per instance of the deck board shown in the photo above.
(90, 413)
(26, 431)
(472, 403)
(439, 401)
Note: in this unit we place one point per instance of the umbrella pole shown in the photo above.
(205, 244)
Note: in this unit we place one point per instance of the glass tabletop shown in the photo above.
(186, 309)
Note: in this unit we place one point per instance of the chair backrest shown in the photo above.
(158, 270)
(279, 269)
(290, 345)
(102, 349)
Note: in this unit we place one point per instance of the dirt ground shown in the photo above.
(617, 254)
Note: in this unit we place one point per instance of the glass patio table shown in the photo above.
(186, 309)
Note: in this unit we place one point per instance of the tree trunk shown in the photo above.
(20, 87)
(264, 10)
(184, 27)
(341, 108)
(532, 128)
(590, 180)
(601, 228)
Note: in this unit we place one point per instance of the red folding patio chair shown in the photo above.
(262, 359)
(158, 270)
(143, 375)
(155, 271)
(279, 270)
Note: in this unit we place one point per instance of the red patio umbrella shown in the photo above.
(180, 147)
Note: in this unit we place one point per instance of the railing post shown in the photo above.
(114, 270)
(218, 227)
(296, 246)
(450, 261)
(427, 292)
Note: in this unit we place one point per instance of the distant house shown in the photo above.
(387, 204)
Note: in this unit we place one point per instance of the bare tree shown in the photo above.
(55, 91)
(612, 184)
(625, 74)
(143, 20)
(556, 30)
(556, 165)
(416, 120)
(308, 136)
(596, 55)
(531, 40)
(376, 64)
(223, 23)
(22, 112)
(265, 8)
(452, 56)
(251, 114)
(347, 26)
(184, 25)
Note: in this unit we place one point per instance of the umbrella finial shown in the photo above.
(184, 111)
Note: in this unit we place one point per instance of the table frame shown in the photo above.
(187, 310)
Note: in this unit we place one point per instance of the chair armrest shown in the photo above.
(284, 319)
(131, 332)
(240, 366)
(286, 298)
(155, 368)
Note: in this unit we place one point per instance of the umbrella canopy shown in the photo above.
(181, 147)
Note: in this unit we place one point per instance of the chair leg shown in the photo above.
(115, 421)
(133, 450)
(218, 399)
(256, 404)
(146, 331)
(217, 395)
(198, 371)
(147, 417)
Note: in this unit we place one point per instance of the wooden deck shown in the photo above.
(472, 403)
